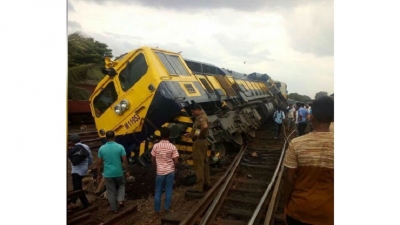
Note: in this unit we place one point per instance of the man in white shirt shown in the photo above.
(290, 117)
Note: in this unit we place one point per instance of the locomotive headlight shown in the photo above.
(118, 109)
(124, 104)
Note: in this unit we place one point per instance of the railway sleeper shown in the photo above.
(121, 216)
(256, 175)
(251, 181)
(85, 218)
(243, 214)
(248, 190)
(231, 222)
(240, 199)
(81, 212)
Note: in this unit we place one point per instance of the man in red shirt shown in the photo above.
(165, 157)
(309, 161)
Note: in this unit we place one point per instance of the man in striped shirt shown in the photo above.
(164, 157)
(309, 162)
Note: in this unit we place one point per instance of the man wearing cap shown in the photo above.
(199, 135)
(79, 171)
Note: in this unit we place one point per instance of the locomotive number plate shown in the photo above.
(135, 118)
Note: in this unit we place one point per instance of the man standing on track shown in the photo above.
(279, 117)
(79, 171)
(199, 135)
(309, 161)
(165, 158)
(290, 117)
(302, 117)
(113, 155)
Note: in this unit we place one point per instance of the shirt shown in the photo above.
(279, 116)
(83, 167)
(291, 113)
(111, 153)
(313, 192)
(202, 119)
(303, 112)
(164, 152)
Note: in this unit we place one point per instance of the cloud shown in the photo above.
(73, 26)
(310, 28)
(70, 7)
(239, 5)
(289, 43)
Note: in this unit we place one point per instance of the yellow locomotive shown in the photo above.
(148, 88)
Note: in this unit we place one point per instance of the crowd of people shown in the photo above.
(308, 189)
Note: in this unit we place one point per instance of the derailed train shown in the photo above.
(148, 88)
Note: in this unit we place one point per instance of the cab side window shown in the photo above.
(105, 99)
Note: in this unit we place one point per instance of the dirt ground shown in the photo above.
(140, 193)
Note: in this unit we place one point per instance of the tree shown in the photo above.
(320, 94)
(300, 98)
(85, 60)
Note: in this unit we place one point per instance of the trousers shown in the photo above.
(302, 128)
(200, 164)
(164, 181)
(277, 130)
(115, 190)
(77, 183)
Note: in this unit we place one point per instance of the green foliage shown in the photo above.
(320, 94)
(85, 60)
(300, 98)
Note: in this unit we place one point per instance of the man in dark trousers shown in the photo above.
(80, 170)
(113, 156)
(301, 118)
(199, 135)
(279, 117)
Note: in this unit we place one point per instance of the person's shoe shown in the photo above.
(113, 211)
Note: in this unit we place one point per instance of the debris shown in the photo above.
(254, 154)
(130, 179)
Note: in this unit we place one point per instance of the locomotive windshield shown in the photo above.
(173, 64)
(105, 99)
(133, 72)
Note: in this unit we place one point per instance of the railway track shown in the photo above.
(89, 215)
(247, 192)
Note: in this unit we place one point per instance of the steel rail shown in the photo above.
(195, 213)
(208, 217)
(271, 207)
(257, 210)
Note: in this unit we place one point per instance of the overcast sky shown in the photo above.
(290, 40)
